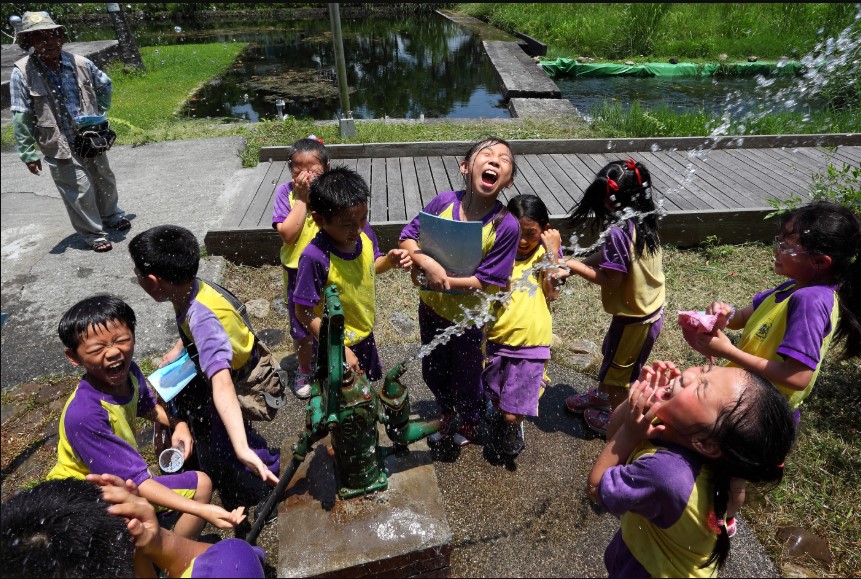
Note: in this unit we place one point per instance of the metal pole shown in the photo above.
(128, 49)
(346, 124)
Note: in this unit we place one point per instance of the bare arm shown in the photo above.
(399, 258)
(181, 432)
(552, 241)
(158, 494)
(593, 273)
(227, 406)
(435, 273)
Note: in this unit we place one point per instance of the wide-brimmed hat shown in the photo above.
(33, 22)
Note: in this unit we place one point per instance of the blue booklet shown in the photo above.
(90, 120)
(169, 380)
(456, 245)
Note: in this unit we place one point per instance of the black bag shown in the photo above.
(94, 140)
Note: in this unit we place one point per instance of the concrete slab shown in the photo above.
(519, 74)
(529, 108)
(400, 532)
(99, 51)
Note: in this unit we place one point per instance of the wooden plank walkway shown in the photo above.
(723, 192)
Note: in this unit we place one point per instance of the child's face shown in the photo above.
(306, 161)
(489, 170)
(692, 402)
(345, 228)
(790, 258)
(530, 235)
(106, 354)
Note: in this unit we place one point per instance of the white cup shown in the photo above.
(171, 459)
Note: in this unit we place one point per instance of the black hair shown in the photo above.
(630, 184)
(169, 252)
(831, 229)
(754, 437)
(93, 312)
(336, 190)
(490, 141)
(531, 207)
(62, 528)
(310, 146)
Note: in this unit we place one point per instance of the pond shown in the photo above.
(682, 94)
(396, 67)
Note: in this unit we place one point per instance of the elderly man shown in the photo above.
(53, 94)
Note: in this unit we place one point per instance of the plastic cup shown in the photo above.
(171, 459)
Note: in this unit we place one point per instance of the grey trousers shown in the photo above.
(89, 191)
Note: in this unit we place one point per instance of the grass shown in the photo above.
(661, 31)
(821, 489)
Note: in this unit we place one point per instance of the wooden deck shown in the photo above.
(726, 194)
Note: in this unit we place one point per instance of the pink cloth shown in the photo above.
(700, 322)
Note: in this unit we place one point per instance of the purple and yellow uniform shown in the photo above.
(97, 436)
(663, 496)
(322, 265)
(453, 370)
(637, 306)
(792, 322)
(223, 341)
(290, 252)
(228, 558)
(518, 342)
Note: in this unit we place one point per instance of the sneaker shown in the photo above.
(466, 433)
(598, 419)
(594, 398)
(302, 386)
(731, 527)
(448, 419)
(512, 439)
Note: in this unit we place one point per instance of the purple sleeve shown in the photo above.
(434, 207)
(808, 321)
(373, 237)
(311, 276)
(656, 486)
(210, 338)
(760, 297)
(88, 429)
(497, 265)
(616, 251)
(229, 558)
(146, 400)
(281, 205)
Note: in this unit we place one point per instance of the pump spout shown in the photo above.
(412, 431)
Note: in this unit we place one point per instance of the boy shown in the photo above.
(116, 534)
(345, 253)
(97, 433)
(166, 260)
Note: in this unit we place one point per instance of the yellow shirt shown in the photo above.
(642, 291)
(524, 320)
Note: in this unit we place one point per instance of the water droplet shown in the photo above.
(177, 29)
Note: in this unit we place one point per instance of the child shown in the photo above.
(344, 253)
(74, 528)
(788, 329)
(629, 270)
(518, 342)
(453, 370)
(293, 221)
(715, 424)
(97, 430)
(166, 260)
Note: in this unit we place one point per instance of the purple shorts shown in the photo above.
(369, 358)
(627, 346)
(513, 382)
(297, 331)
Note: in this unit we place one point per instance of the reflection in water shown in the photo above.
(396, 67)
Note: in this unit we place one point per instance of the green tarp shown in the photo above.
(570, 67)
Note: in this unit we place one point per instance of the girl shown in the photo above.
(453, 370)
(518, 342)
(630, 272)
(715, 424)
(292, 219)
(788, 329)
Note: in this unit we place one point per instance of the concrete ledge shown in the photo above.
(400, 532)
(525, 108)
(519, 75)
(542, 147)
(261, 245)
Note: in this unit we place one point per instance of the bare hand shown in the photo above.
(641, 408)
(35, 167)
(400, 258)
(182, 435)
(302, 184)
(722, 310)
(252, 461)
(717, 345)
(351, 359)
(552, 241)
(223, 519)
(436, 276)
(125, 502)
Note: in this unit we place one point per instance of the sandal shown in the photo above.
(598, 419)
(102, 245)
(122, 225)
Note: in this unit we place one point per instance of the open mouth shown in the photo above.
(666, 392)
(116, 371)
(489, 177)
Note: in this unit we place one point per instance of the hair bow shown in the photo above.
(632, 165)
(612, 186)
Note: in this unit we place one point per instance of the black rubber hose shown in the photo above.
(275, 497)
